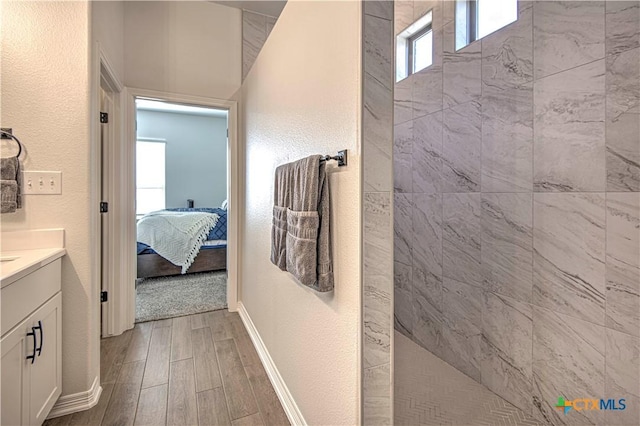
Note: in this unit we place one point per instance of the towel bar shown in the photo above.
(341, 158)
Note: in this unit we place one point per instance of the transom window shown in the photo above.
(478, 18)
(414, 48)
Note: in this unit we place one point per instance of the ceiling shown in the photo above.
(264, 7)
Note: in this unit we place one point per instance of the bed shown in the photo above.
(212, 255)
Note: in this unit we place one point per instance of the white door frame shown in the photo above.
(112, 323)
(233, 190)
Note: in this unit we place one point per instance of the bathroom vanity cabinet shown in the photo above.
(31, 342)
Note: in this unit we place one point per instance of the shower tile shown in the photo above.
(378, 253)
(461, 148)
(448, 11)
(427, 91)
(376, 395)
(569, 254)
(421, 7)
(623, 153)
(378, 279)
(427, 83)
(402, 228)
(271, 22)
(426, 245)
(507, 55)
(378, 139)
(377, 319)
(380, 8)
(253, 38)
(461, 329)
(623, 377)
(428, 391)
(623, 88)
(462, 307)
(622, 26)
(566, 34)
(623, 262)
(427, 269)
(507, 333)
(462, 70)
(569, 130)
(507, 244)
(403, 298)
(378, 54)
(507, 108)
(507, 138)
(403, 100)
(403, 15)
(427, 305)
(568, 361)
(524, 5)
(461, 238)
(623, 121)
(427, 153)
(402, 148)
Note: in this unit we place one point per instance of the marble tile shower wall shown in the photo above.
(377, 232)
(255, 31)
(517, 204)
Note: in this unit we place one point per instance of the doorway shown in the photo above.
(229, 108)
(181, 209)
(108, 180)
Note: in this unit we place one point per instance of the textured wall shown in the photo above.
(186, 47)
(293, 108)
(255, 31)
(377, 229)
(196, 155)
(517, 211)
(45, 99)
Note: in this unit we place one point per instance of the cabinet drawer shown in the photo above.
(20, 299)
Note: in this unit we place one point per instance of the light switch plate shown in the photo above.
(41, 183)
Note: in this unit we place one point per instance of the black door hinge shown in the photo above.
(104, 207)
(104, 117)
(104, 296)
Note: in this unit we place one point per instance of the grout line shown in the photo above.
(606, 204)
(212, 389)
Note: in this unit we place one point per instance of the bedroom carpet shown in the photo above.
(175, 296)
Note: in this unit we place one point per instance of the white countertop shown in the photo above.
(27, 262)
(33, 249)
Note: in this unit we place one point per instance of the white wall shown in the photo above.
(45, 99)
(302, 97)
(107, 28)
(185, 47)
(196, 155)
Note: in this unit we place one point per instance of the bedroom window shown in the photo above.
(414, 48)
(478, 18)
(150, 176)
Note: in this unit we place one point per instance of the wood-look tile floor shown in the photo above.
(195, 370)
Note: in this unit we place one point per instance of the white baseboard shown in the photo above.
(286, 399)
(75, 402)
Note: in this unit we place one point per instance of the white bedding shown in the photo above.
(176, 236)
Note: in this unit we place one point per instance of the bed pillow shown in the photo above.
(219, 232)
